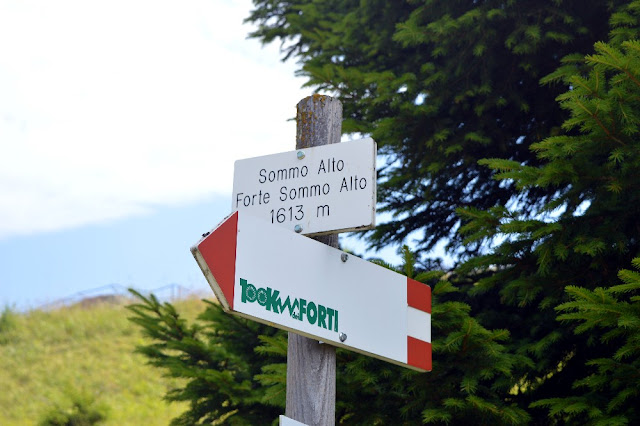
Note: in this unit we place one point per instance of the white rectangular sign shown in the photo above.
(314, 191)
(279, 278)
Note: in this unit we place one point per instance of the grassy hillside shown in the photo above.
(48, 358)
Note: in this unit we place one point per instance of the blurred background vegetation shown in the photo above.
(81, 356)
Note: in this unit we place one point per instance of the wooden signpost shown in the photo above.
(259, 269)
(311, 366)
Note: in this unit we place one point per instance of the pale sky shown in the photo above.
(120, 122)
(110, 109)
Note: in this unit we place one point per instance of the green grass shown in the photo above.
(48, 357)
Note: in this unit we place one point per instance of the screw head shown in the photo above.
(342, 336)
(300, 155)
(344, 257)
(297, 228)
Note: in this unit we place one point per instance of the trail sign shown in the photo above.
(279, 278)
(314, 191)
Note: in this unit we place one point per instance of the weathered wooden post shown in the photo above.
(311, 366)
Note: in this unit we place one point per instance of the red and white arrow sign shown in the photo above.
(292, 282)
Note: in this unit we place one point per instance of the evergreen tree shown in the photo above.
(582, 235)
(220, 359)
(608, 391)
(439, 84)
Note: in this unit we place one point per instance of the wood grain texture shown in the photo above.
(311, 366)
(318, 121)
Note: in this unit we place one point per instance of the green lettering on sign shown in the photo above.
(299, 309)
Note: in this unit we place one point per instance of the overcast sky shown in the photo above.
(120, 122)
(111, 108)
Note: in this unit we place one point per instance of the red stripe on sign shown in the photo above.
(419, 353)
(218, 250)
(418, 295)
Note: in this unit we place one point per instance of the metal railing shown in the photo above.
(169, 292)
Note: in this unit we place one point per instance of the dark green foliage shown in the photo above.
(439, 84)
(219, 358)
(83, 411)
(582, 236)
(608, 391)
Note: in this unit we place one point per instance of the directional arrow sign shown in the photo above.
(283, 279)
(320, 190)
